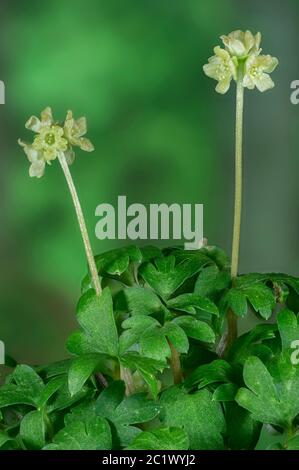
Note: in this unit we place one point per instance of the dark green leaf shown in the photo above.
(216, 371)
(125, 412)
(225, 392)
(33, 430)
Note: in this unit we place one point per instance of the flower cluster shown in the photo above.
(52, 138)
(241, 59)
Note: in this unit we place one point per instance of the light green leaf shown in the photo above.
(186, 301)
(197, 414)
(196, 329)
(211, 280)
(49, 390)
(92, 434)
(176, 336)
(139, 301)
(272, 399)
(80, 371)
(237, 301)
(161, 439)
(95, 315)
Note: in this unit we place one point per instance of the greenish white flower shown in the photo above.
(257, 69)
(52, 138)
(74, 130)
(241, 60)
(222, 68)
(240, 44)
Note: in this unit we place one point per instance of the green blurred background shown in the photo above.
(134, 68)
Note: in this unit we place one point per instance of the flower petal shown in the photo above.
(81, 126)
(47, 117)
(223, 86)
(86, 145)
(264, 83)
(37, 169)
(33, 124)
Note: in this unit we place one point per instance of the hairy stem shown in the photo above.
(175, 365)
(238, 179)
(82, 224)
(232, 324)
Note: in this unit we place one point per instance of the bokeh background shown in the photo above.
(134, 68)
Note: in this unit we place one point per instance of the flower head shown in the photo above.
(257, 69)
(241, 61)
(222, 68)
(52, 138)
(240, 43)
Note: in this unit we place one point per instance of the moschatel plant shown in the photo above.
(156, 362)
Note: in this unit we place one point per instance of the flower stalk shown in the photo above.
(240, 60)
(82, 224)
(52, 141)
(238, 178)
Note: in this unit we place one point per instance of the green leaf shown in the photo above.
(80, 371)
(79, 343)
(243, 432)
(211, 280)
(225, 392)
(270, 399)
(63, 399)
(26, 377)
(81, 412)
(54, 369)
(288, 328)
(293, 444)
(165, 277)
(245, 345)
(95, 315)
(138, 301)
(186, 301)
(4, 439)
(114, 263)
(261, 299)
(151, 337)
(237, 301)
(161, 439)
(206, 374)
(176, 336)
(124, 412)
(147, 368)
(33, 430)
(200, 417)
(196, 329)
(11, 394)
(135, 328)
(92, 434)
(49, 390)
